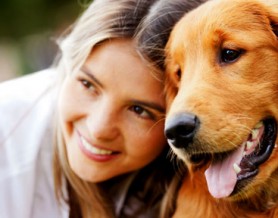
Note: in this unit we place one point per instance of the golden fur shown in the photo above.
(229, 98)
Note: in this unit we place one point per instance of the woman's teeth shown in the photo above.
(93, 149)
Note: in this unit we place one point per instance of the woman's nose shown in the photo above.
(103, 122)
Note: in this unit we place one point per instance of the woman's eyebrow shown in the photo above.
(150, 105)
(85, 70)
(136, 102)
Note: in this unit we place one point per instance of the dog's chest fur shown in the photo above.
(194, 200)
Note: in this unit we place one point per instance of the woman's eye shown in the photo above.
(141, 111)
(87, 84)
(230, 55)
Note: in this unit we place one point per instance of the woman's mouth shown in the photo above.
(95, 153)
(93, 149)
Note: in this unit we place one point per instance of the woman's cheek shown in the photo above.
(68, 100)
(149, 142)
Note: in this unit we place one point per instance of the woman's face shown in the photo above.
(111, 113)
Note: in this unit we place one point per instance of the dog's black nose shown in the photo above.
(181, 129)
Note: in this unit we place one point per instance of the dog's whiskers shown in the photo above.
(156, 123)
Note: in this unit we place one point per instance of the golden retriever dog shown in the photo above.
(222, 90)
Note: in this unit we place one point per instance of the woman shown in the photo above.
(98, 116)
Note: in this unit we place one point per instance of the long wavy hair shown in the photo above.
(102, 20)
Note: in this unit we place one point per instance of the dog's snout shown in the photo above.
(181, 129)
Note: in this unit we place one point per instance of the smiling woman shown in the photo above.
(119, 120)
(95, 122)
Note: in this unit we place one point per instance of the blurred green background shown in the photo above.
(28, 33)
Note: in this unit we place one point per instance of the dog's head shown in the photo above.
(222, 91)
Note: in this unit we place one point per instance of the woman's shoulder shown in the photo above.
(28, 86)
(27, 106)
(18, 94)
(26, 100)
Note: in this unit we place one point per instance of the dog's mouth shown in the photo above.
(230, 172)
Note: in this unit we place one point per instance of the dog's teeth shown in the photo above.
(255, 133)
(237, 168)
(249, 145)
(259, 125)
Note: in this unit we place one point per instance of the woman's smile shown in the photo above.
(95, 153)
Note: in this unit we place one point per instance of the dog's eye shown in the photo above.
(178, 74)
(229, 55)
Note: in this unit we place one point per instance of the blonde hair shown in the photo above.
(103, 20)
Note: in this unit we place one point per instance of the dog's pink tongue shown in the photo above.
(221, 176)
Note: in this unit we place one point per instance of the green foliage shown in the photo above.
(28, 29)
(19, 18)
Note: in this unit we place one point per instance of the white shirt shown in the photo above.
(27, 106)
